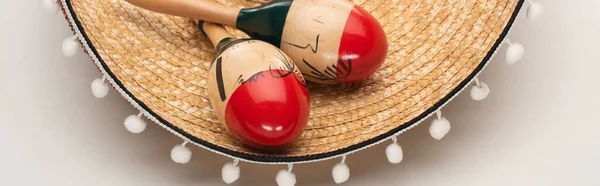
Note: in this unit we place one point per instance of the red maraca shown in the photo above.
(331, 41)
(256, 91)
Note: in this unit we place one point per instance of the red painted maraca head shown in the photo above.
(363, 43)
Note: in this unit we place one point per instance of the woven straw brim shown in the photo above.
(435, 48)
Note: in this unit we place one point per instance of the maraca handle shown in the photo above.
(215, 33)
(196, 9)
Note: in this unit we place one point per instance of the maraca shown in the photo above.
(331, 41)
(256, 91)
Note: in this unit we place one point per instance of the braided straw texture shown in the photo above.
(434, 45)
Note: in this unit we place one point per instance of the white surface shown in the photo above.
(538, 126)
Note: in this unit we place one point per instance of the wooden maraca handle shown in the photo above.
(196, 9)
(215, 32)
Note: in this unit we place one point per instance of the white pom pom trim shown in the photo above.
(230, 172)
(135, 124)
(99, 87)
(514, 52)
(286, 177)
(480, 90)
(393, 152)
(439, 127)
(340, 171)
(70, 46)
(534, 10)
(51, 6)
(181, 154)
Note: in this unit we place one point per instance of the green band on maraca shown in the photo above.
(200, 23)
(228, 42)
(265, 22)
(224, 43)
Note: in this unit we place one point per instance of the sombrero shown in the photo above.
(158, 63)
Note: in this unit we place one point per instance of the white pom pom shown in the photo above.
(514, 53)
(394, 153)
(181, 154)
(285, 178)
(51, 6)
(135, 124)
(480, 92)
(534, 11)
(230, 173)
(340, 173)
(70, 46)
(439, 128)
(99, 88)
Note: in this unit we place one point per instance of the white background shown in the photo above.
(540, 125)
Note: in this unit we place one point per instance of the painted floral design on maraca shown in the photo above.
(286, 68)
(276, 70)
(332, 73)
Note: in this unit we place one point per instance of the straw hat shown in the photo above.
(159, 64)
